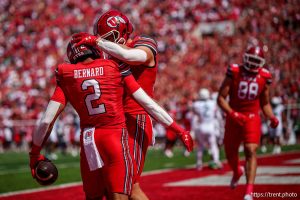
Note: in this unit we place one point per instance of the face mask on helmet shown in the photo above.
(80, 53)
(254, 59)
(113, 26)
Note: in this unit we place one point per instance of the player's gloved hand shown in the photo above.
(77, 37)
(274, 122)
(187, 140)
(131, 42)
(86, 39)
(35, 157)
(184, 136)
(238, 117)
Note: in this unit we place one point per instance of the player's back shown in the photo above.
(246, 88)
(95, 90)
(144, 75)
(205, 110)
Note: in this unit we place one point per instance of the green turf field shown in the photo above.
(15, 174)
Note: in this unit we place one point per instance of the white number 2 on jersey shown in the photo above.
(247, 90)
(94, 96)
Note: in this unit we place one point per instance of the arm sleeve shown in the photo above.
(152, 108)
(157, 112)
(43, 130)
(121, 53)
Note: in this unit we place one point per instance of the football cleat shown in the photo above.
(248, 197)
(235, 179)
(169, 153)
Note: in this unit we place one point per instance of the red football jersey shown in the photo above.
(95, 90)
(246, 88)
(144, 75)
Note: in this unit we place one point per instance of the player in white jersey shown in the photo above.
(277, 134)
(204, 127)
(219, 121)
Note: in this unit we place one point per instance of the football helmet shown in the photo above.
(276, 100)
(204, 94)
(113, 26)
(254, 59)
(79, 53)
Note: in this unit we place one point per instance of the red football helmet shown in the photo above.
(113, 26)
(77, 54)
(254, 59)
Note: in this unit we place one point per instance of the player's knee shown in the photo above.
(250, 151)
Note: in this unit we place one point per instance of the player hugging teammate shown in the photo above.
(112, 155)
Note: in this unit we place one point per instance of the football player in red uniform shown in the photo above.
(94, 87)
(248, 88)
(114, 29)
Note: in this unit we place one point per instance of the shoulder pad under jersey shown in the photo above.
(265, 73)
(232, 69)
(144, 40)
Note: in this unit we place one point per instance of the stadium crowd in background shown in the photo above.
(34, 35)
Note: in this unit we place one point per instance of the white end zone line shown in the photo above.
(67, 185)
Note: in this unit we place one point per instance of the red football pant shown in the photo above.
(235, 134)
(140, 137)
(116, 176)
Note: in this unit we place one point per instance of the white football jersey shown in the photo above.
(278, 112)
(205, 110)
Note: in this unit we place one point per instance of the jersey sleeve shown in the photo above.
(231, 70)
(58, 75)
(147, 42)
(59, 95)
(124, 69)
(131, 84)
(267, 75)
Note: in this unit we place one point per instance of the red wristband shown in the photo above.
(35, 150)
(176, 128)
